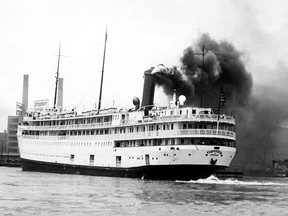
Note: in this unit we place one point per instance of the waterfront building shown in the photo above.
(3, 146)
(12, 143)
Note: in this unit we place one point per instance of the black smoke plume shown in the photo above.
(222, 65)
(257, 115)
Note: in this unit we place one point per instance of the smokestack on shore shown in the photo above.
(25, 93)
(148, 90)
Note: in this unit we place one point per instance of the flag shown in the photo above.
(19, 108)
(222, 98)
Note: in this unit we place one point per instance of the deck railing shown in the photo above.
(70, 126)
(148, 120)
(188, 117)
(191, 133)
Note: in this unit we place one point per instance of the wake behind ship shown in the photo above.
(177, 142)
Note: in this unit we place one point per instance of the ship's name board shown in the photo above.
(41, 104)
(214, 152)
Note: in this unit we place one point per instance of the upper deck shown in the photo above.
(122, 118)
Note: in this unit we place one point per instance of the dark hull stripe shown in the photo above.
(163, 172)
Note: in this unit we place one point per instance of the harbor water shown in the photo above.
(34, 193)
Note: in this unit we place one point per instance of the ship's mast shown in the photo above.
(100, 95)
(202, 82)
(57, 77)
(202, 69)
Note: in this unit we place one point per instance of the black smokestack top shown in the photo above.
(148, 89)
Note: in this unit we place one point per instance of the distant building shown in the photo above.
(280, 145)
(12, 143)
(3, 146)
(280, 168)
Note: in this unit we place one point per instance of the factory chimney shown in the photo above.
(25, 93)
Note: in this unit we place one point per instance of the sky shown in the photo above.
(141, 34)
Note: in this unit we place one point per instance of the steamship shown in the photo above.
(175, 142)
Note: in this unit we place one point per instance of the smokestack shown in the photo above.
(148, 90)
(60, 94)
(25, 93)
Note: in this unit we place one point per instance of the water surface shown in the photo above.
(35, 193)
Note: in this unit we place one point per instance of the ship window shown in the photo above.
(171, 126)
(166, 141)
(91, 161)
(118, 161)
(193, 111)
(72, 157)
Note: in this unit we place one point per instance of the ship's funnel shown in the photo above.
(148, 91)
